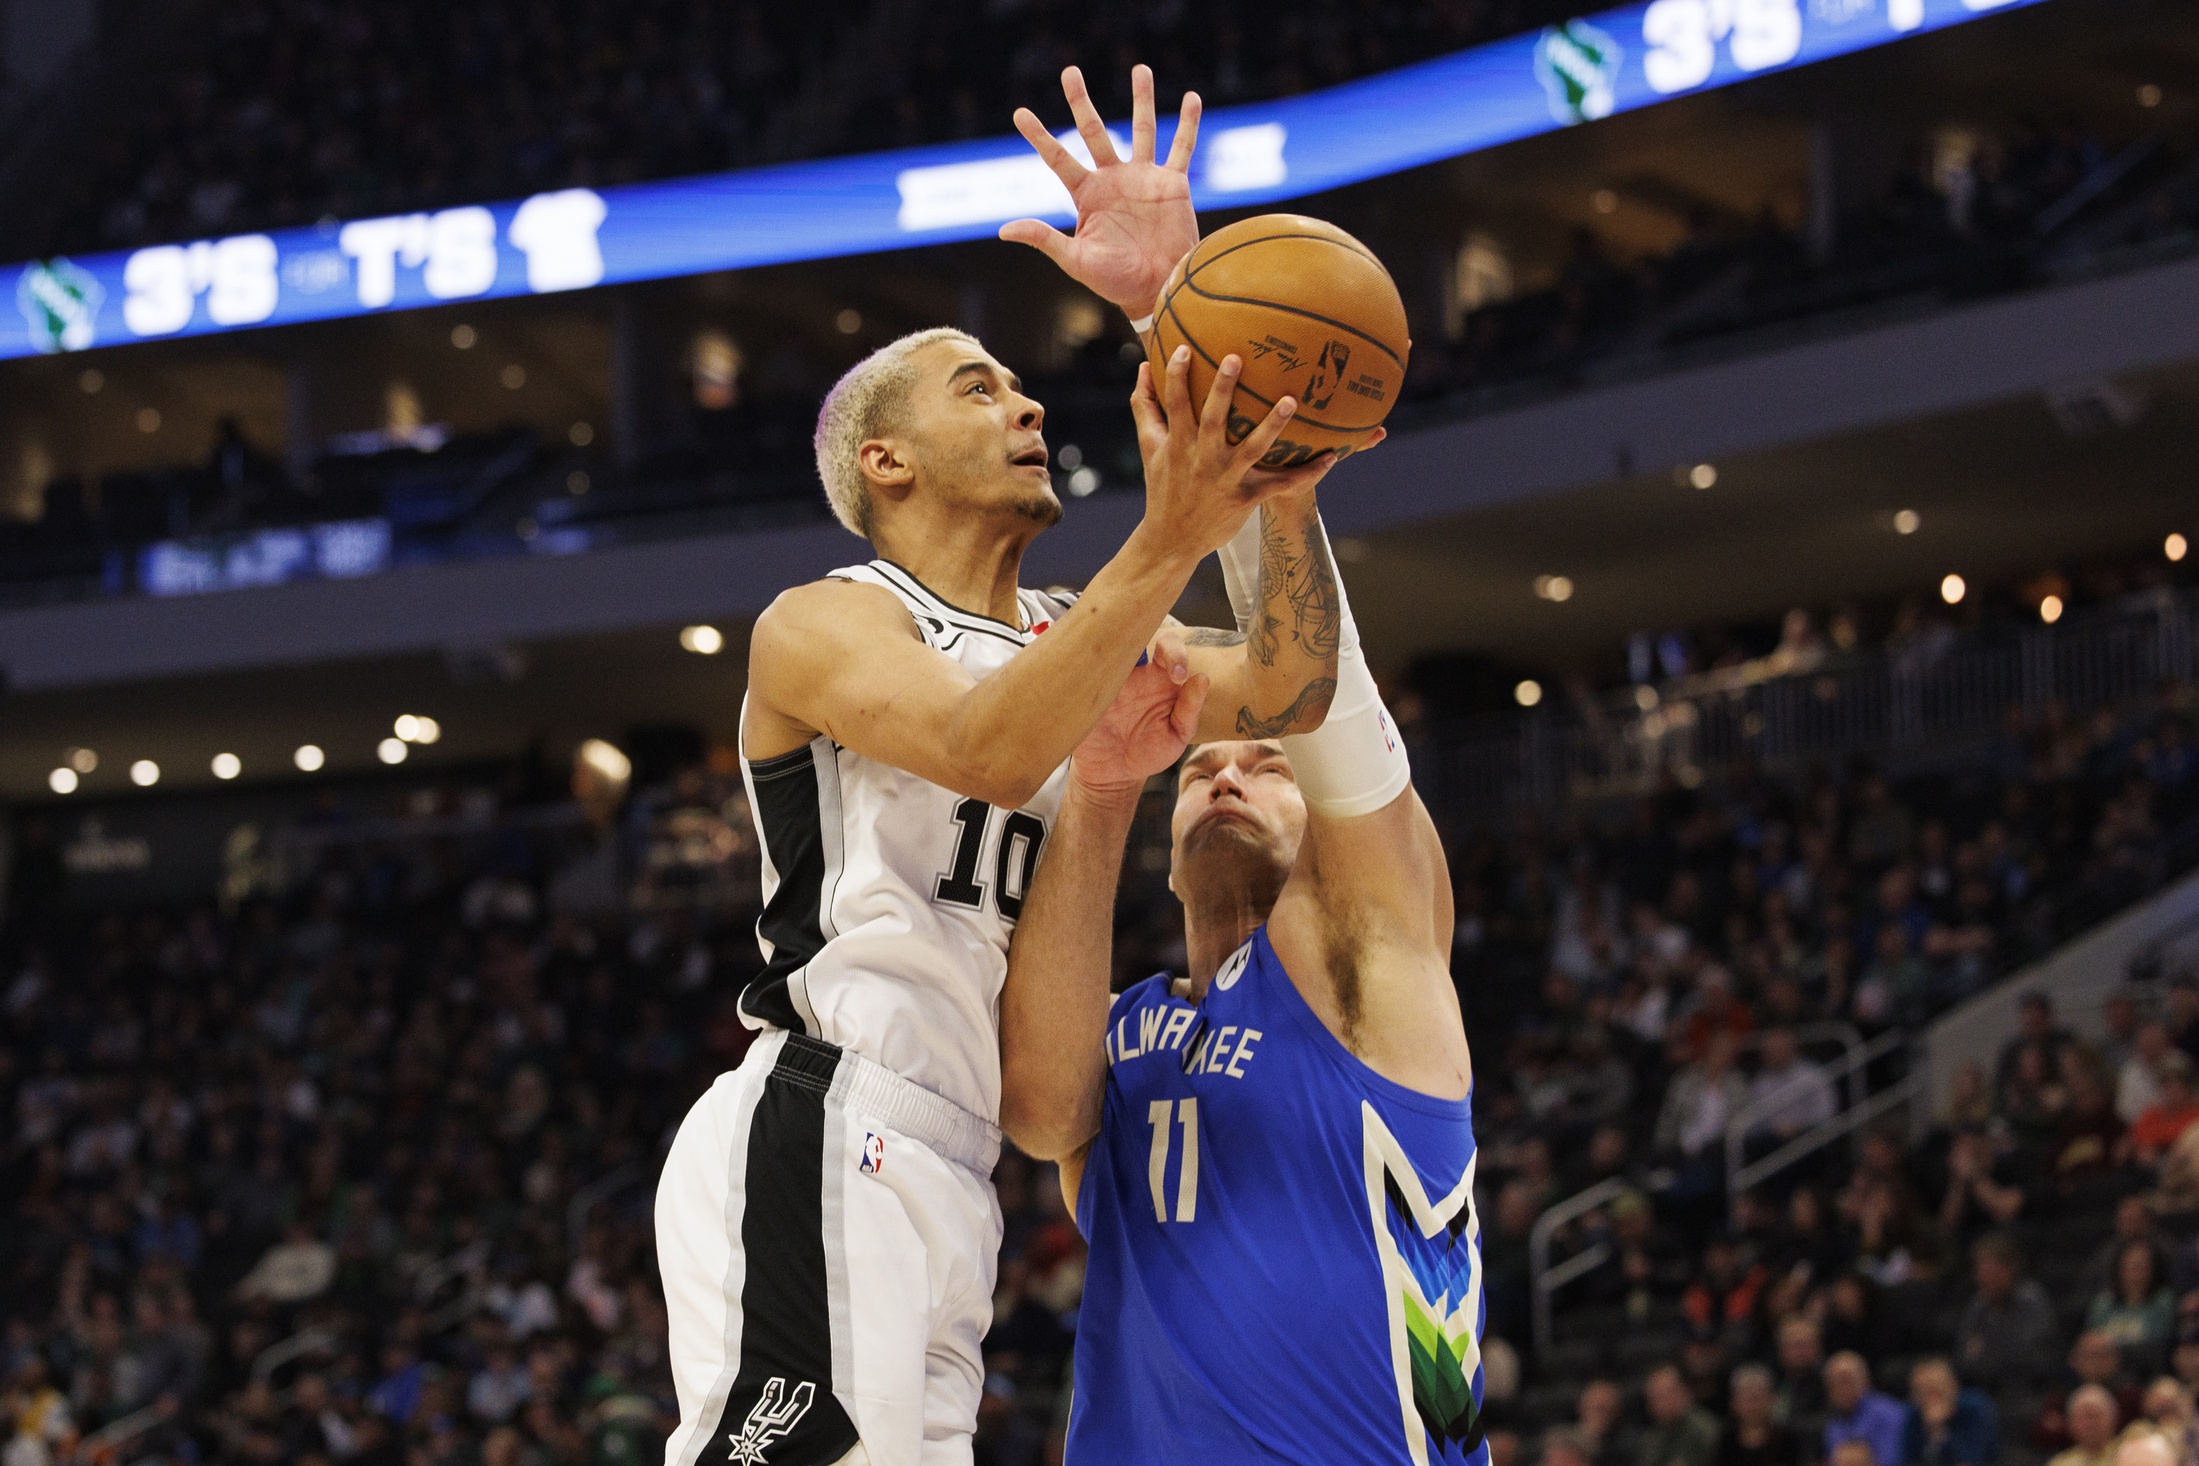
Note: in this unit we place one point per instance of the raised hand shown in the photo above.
(1198, 486)
(1149, 724)
(1134, 218)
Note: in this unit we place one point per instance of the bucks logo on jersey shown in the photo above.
(1431, 1271)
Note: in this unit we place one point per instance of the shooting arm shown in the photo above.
(1053, 1011)
(844, 660)
(1277, 674)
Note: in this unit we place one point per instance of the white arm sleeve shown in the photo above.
(1354, 763)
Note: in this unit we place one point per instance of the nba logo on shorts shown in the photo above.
(874, 1153)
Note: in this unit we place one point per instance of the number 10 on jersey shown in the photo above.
(1014, 865)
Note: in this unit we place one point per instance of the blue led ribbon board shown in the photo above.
(1612, 62)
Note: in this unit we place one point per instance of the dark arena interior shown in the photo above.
(1777, 571)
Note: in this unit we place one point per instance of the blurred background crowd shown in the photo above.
(344, 1154)
(355, 1164)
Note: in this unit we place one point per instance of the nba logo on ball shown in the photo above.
(874, 1153)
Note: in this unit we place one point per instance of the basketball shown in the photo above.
(1314, 316)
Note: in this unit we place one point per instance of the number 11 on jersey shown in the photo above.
(1185, 1113)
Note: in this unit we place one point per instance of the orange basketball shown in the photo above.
(1312, 313)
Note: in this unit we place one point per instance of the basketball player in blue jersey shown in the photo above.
(1273, 1159)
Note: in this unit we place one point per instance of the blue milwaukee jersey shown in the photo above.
(1286, 1263)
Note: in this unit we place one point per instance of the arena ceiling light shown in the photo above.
(62, 780)
(309, 757)
(145, 773)
(703, 641)
(1527, 693)
(1554, 587)
(1617, 60)
(81, 760)
(2175, 547)
(227, 766)
(415, 728)
(1703, 475)
(392, 750)
(1952, 589)
(1907, 521)
(2050, 609)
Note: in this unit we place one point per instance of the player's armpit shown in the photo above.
(1072, 1174)
(1381, 874)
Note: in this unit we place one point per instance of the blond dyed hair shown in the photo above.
(867, 403)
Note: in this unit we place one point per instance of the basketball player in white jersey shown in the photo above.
(826, 1225)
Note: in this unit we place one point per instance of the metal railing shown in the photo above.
(1545, 1280)
(1850, 1072)
(1788, 712)
(468, 1264)
(593, 1195)
(104, 1444)
(429, 1280)
(300, 1345)
(1830, 1031)
(1743, 1176)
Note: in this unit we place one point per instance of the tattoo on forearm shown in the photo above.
(1212, 636)
(1314, 697)
(1295, 575)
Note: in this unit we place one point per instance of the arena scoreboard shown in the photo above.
(572, 239)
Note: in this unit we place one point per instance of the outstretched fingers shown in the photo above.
(1141, 113)
(1261, 438)
(1220, 396)
(1264, 484)
(1041, 236)
(1050, 151)
(1089, 126)
(1183, 718)
(1187, 134)
(1176, 387)
(1169, 652)
(1147, 412)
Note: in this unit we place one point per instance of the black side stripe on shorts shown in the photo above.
(790, 818)
(781, 1410)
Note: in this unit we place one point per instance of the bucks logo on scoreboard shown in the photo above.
(1579, 69)
(61, 303)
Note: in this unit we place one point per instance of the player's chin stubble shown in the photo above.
(1041, 508)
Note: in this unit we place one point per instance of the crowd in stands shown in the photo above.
(303, 108)
(282, 113)
(1649, 983)
(1931, 233)
(302, 1176)
(1990, 213)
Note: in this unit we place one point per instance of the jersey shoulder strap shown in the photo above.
(929, 626)
(1042, 608)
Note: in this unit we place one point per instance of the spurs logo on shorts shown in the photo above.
(775, 1414)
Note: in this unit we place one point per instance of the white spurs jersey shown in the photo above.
(889, 901)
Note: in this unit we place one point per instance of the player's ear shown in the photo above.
(888, 467)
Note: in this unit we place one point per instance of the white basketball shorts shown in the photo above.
(828, 1236)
